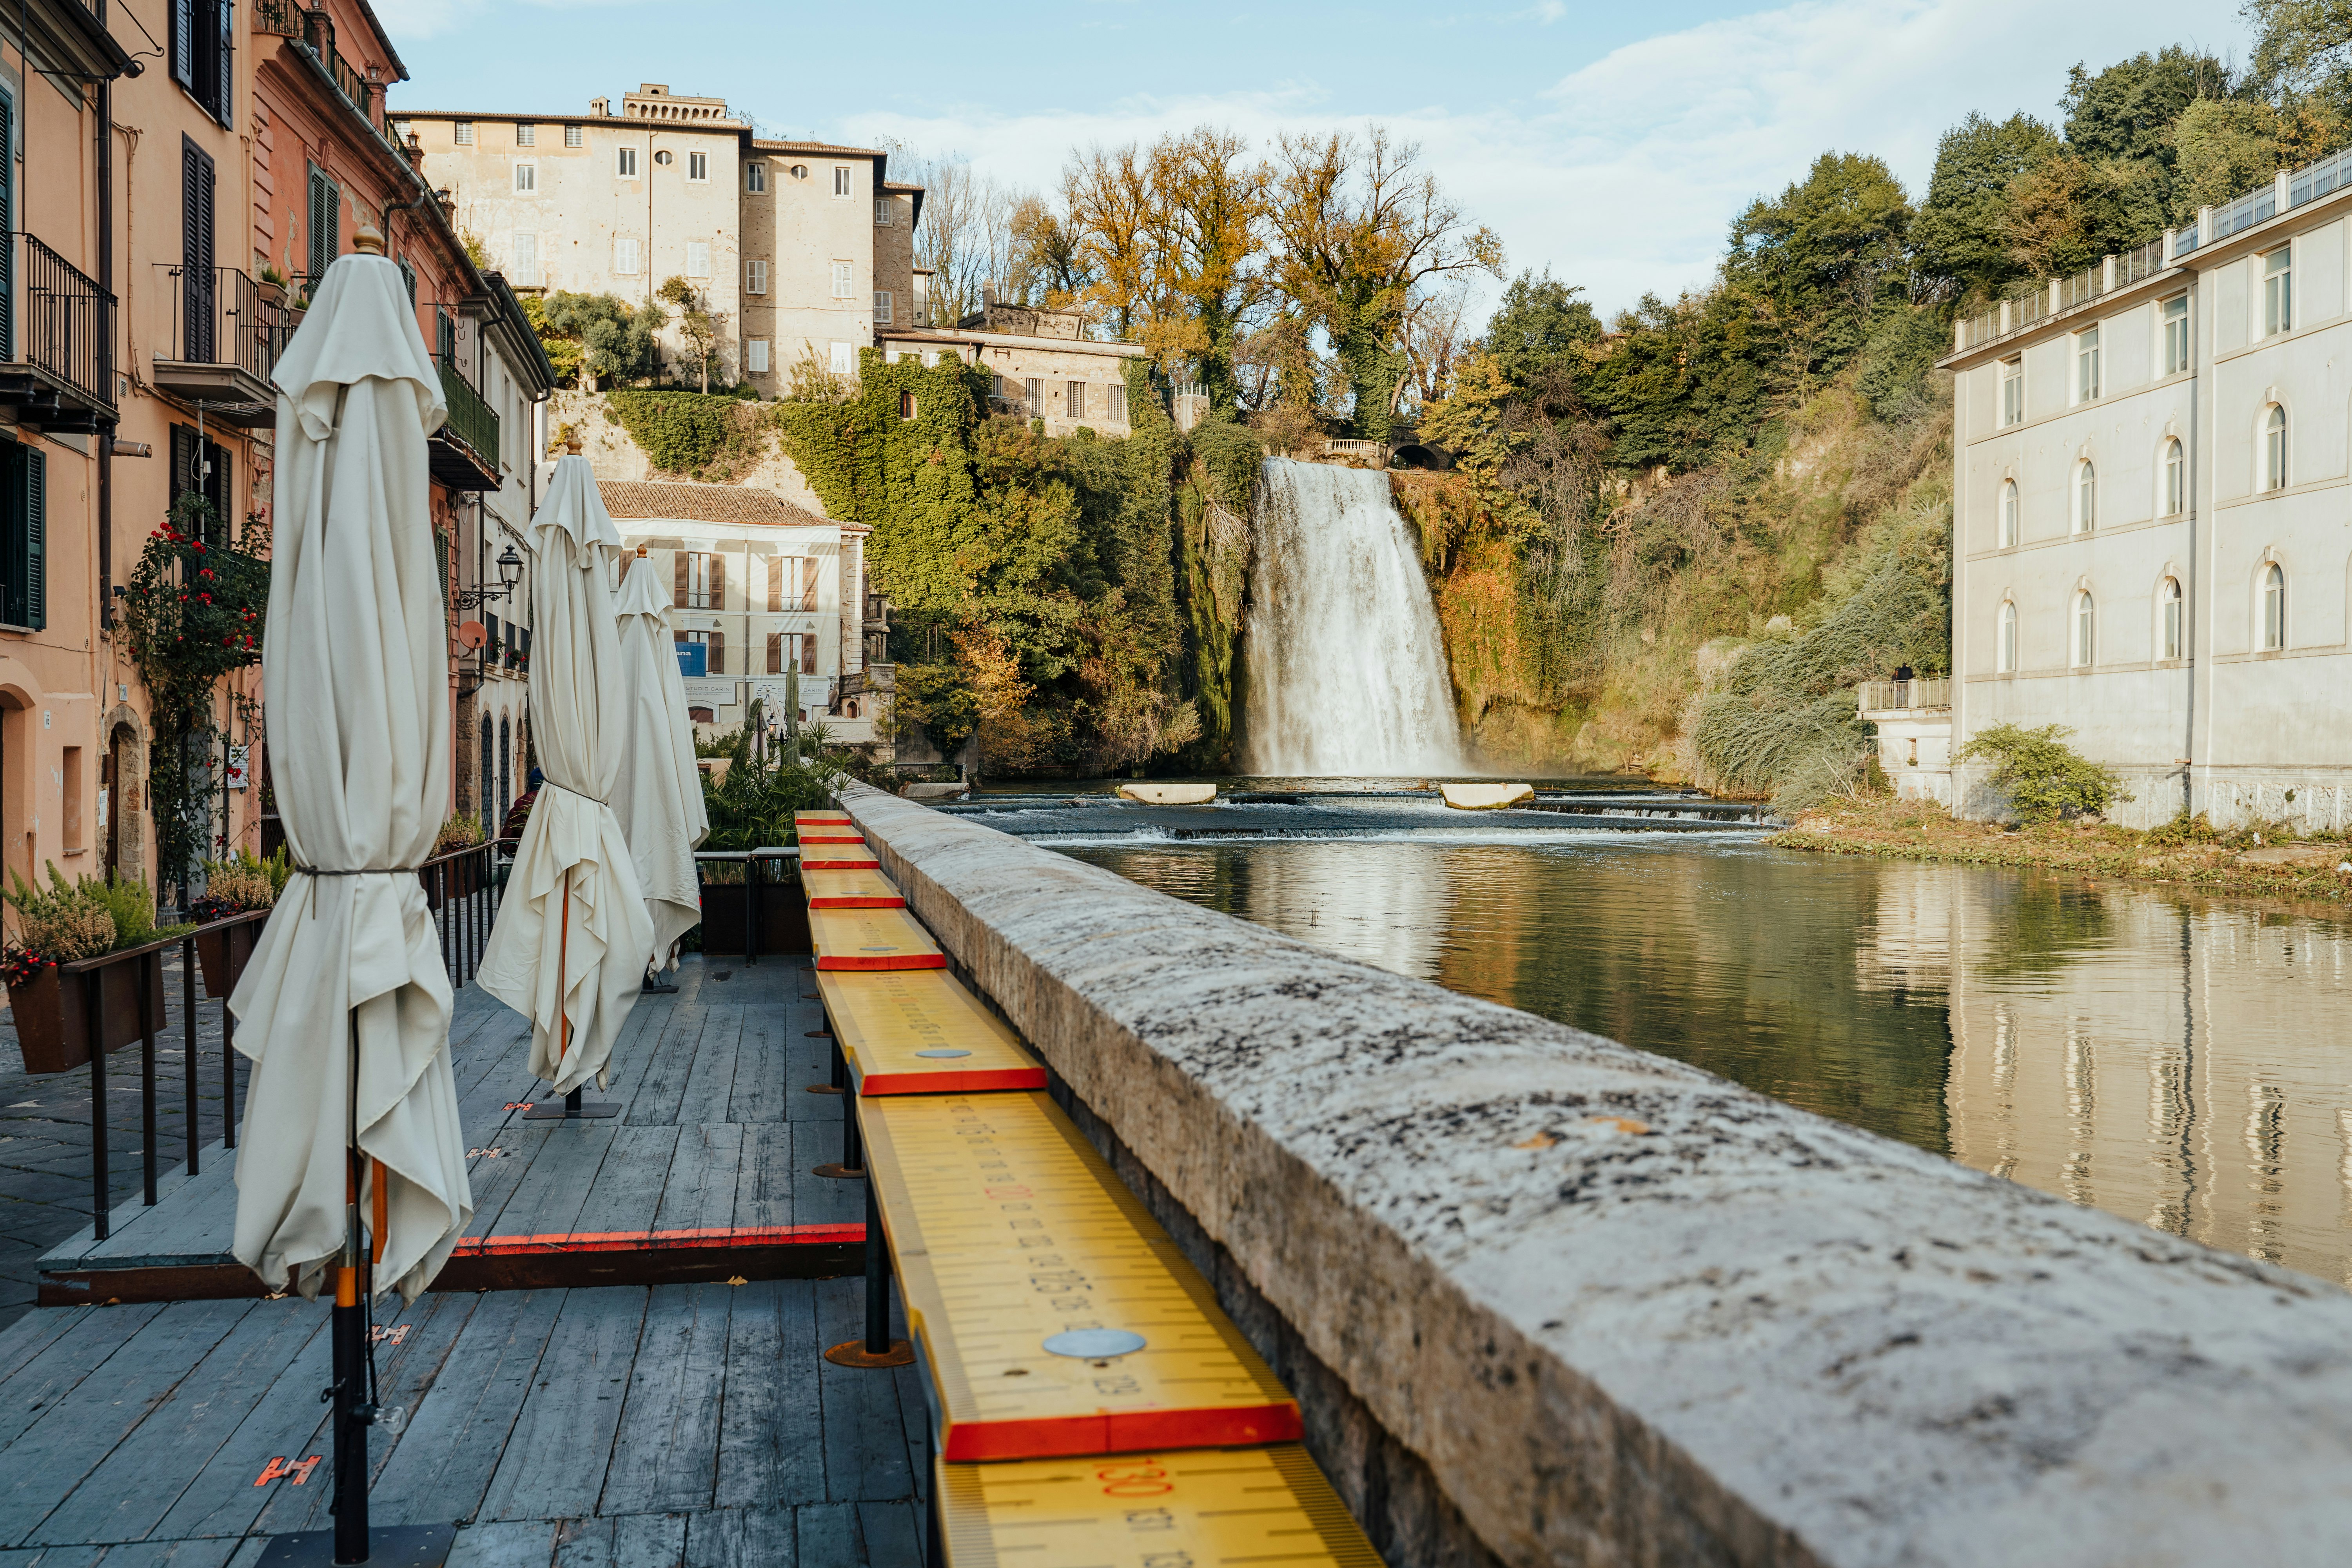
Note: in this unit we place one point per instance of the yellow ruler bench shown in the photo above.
(862, 889)
(1055, 1317)
(917, 1031)
(871, 939)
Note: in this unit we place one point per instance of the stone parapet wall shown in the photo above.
(1548, 1299)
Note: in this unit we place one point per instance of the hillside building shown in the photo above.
(1041, 363)
(2151, 465)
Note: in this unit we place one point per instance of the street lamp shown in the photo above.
(510, 567)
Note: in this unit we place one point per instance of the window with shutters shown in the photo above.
(755, 278)
(445, 335)
(196, 275)
(808, 653)
(844, 279)
(698, 258)
(526, 133)
(776, 583)
(201, 466)
(203, 45)
(755, 356)
(1075, 396)
(625, 163)
(464, 133)
(326, 223)
(698, 165)
(572, 136)
(408, 276)
(701, 580)
(526, 256)
(24, 537)
(624, 255)
(775, 653)
(882, 307)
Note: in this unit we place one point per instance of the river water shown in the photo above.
(2183, 1062)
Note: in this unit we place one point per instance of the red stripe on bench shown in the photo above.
(889, 962)
(1142, 1432)
(718, 1237)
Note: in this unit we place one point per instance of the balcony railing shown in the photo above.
(471, 420)
(220, 315)
(1898, 696)
(67, 334)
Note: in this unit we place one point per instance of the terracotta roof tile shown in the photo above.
(651, 498)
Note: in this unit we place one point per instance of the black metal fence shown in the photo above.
(220, 316)
(69, 323)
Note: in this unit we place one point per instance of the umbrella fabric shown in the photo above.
(355, 673)
(659, 796)
(598, 946)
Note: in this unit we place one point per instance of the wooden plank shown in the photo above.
(828, 1534)
(556, 1184)
(892, 1530)
(453, 1443)
(71, 1437)
(523, 1543)
(772, 1430)
(495, 1178)
(666, 1456)
(1200, 1506)
(744, 1537)
(669, 1063)
(201, 1223)
(634, 1046)
(711, 1080)
(868, 889)
(636, 1541)
(921, 1032)
(146, 1555)
(23, 1340)
(703, 1174)
(822, 1200)
(627, 1191)
(1006, 1229)
(762, 1086)
(555, 1461)
(127, 1496)
(764, 1187)
(864, 1447)
(872, 940)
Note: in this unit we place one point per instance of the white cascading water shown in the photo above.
(1347, 669)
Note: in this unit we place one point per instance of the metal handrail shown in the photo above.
(470, 420)
(69, 326)
(225, 320)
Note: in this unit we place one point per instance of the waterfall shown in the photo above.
(1347, 670)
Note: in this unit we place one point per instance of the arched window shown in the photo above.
(2007, 513)
(506, 767)
(2172, 597)
(2006, 652)
(2176, 479)
(2274, 607)
(2085, 630)
(489, 780)
(2274, 449)
(2087, 498)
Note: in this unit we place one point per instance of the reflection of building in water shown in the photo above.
(1385, 910)
(2181, 1065)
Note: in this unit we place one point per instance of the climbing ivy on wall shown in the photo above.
(690, 433)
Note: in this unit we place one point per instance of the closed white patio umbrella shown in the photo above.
(344, 1008)
(572, 938)
(658, 798)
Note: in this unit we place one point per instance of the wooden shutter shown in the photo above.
(718, 652)
(224, 62)
(7, 226)
(808, 653)
(808, 583)
(196, 186)
(775, 653)
(326, 212)
(775, 583)
(677, 579)
(183, 43)
(718, 580)
(36, 537)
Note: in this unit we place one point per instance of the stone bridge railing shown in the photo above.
(1547, 1299)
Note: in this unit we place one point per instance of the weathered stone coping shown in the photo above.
(1746, 1335)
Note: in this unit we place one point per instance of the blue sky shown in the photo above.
(1612, 143)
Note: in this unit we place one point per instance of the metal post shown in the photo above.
(188, 1016)
(878, 1278)
(142, 977)
(98, 1173)
(751, 909)
(228, 1036)
(853, 1158)
(935, 1551)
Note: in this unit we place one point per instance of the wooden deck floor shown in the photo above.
(617, 1428)
(717, 1131)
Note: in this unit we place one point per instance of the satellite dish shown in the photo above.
(473, 634)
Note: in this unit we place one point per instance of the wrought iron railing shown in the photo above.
(221, 316)
(463, 888)
(68, 325)
(471, 420)
(283, 17)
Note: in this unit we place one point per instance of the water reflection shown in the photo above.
(2181, 1062)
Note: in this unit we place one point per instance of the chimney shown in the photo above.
(602, 108)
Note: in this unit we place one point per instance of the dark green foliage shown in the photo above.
(2044, 777)
(2126, 110)
(687, 432)
(1540, 325)
(614, 339)
(1960, 231)
(750, 802)
(1898, 362)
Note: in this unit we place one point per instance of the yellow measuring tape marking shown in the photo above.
(917, 1031)
(1008, 1230)
(872, 939)
(867, 888)
(1199, 1509)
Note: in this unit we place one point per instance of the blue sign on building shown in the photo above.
(693, 659)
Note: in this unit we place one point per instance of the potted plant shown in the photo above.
(234, 887)
(273, 286)
(63, 922)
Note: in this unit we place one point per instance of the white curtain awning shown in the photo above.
(658, 798)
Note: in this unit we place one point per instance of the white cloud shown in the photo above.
(1625, 174)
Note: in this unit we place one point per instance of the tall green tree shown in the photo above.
(1962, 229)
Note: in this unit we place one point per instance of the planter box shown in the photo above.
(783, 916)
(223, 955)
(456, 880)
(52, 1014)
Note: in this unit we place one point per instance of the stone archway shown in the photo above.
(129, 816)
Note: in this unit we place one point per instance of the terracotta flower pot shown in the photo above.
(53, 1018)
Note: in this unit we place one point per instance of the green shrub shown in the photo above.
(2044, 777)
(689, 432)
(85, 918)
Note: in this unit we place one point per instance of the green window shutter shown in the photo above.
(37, 538)
(326, 213)
(223, 101)
(7, 227)
(184, 44)
(408, 276)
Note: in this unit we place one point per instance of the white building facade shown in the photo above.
(767, 589)
(2152, 515)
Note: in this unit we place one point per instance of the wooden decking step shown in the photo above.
(917, 1031)
(871, 939)
(869, 890)
(1198, 1506)
(1009, 1234)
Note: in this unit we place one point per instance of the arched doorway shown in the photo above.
(490, 812)
(123, 792)
(506, 767)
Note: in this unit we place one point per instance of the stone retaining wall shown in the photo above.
(1548, 1299)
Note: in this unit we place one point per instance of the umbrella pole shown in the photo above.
(570, 1108)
